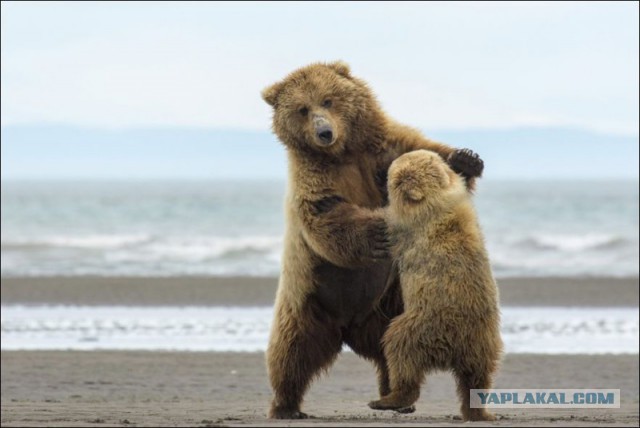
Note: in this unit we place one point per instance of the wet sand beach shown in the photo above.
(257, 291)
(135, 388)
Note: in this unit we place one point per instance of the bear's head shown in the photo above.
(322, 108)
(421, 180)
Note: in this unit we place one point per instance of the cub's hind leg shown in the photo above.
(474, 375)
(404, 354)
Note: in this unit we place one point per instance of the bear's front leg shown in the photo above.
(343, 233)
(463, 161)
(466, 163)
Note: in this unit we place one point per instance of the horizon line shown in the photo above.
(280, 179)
(176, 127)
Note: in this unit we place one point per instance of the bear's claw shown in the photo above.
(287, 414)
(379, 239)
(406, 410)
(381, 405)
(326, 204)
(466, 162)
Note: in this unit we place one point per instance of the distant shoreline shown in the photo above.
(260, 291)
(277, 179)
(207, 153)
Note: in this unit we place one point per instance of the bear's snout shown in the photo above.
(324, 130)
(325, 134)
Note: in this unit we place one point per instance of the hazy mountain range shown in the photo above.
(58, 152)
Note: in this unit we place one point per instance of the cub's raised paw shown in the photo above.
(466, 162)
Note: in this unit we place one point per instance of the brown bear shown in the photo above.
(336, 251)
(451, 317)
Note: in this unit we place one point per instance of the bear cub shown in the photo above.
(451, 318)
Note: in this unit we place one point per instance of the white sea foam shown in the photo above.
(89, 241)
(214, 247)
(573, 243)
(538, 330)
(215, 228)
(142, 255)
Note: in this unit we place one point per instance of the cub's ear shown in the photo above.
(408, 185)
(271, 93)
(341, 67)
(414, 194)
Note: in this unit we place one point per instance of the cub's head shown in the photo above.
(320, 108)
(421, 179)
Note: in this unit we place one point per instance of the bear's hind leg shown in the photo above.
(364, 337)
(299, 349)
(366, 341)
(384, 385)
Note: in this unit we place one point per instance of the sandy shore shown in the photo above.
(261, 291)
(209, 389)
(215, 389)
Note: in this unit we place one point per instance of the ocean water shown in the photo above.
(235, 228)
(537, 330)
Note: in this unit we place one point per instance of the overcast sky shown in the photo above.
(441, 66)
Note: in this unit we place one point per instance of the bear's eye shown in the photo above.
(303, 111)
(326, 103)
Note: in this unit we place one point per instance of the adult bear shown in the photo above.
(336, 251)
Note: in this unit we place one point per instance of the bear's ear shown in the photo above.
(341, 67)
(271, 93)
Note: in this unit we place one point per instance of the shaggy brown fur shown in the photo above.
(336, 256)
(451, 317)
